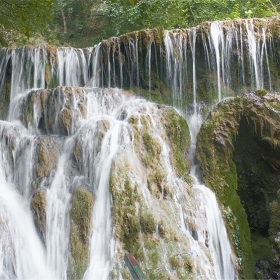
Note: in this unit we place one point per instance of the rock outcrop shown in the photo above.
(238, 148)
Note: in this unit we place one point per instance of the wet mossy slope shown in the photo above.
(238, 148)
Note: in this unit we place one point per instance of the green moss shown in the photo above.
(165, 230)
(5, 100)
(147, 222)
(81, 212)
(148, 148)
(261, 92)
(261, 248)
(274, 208)
(238, 166)
(179, 138)
(125, 217)
(47, 74)
(182, 265)
(125, 274)
(152, 148)
(153, 261)
(219, 174)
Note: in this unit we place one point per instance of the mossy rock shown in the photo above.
(48, 150)
(145, 215)
(147, 222)
(274, 229)
(81, 221)
(261, 92)
(5, 100)
(80, 149)
(238, 166)
(261, 247)
(47, 74)
(125, 216)
(66, 119)
(182, 265)
(178, 136)
(38, 207)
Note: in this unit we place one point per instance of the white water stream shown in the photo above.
(217, 237)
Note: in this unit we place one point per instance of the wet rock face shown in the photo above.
(238, 149)
(81, 223)
(38, 207)
(48, 150)
(58, 111)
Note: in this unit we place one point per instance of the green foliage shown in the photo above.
(83, 23)
(75, 20)
(126, 16)
(205, 10)
(143, 14)
(24, 16)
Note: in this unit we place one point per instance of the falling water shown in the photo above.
(233, 55)
(215, 31)
(57, 216)
(22, 252)
(219, 244)
(192, 44)
(77, 135)
(252, 42)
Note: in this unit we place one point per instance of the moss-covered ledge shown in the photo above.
(238, 148)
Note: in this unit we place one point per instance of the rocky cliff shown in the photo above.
(238, 150)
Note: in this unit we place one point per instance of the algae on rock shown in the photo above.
(237, 148)
(146, 177)
(81, 222)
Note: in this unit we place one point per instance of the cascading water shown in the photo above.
(108, 114)
(219, 243)
(58, 144)
(229, 58)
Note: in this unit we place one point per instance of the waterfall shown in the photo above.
(22, 252)
(57, 217)
(232, 57)
(193, 41)
(217, 39)
(217, 236)
(68, 138)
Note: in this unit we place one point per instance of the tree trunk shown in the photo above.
(64, 21)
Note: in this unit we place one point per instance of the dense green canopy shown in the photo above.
(25, 16)
(85, 22)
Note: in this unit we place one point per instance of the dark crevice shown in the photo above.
(258, 181)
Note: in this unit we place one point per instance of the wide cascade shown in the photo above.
(89, 170)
